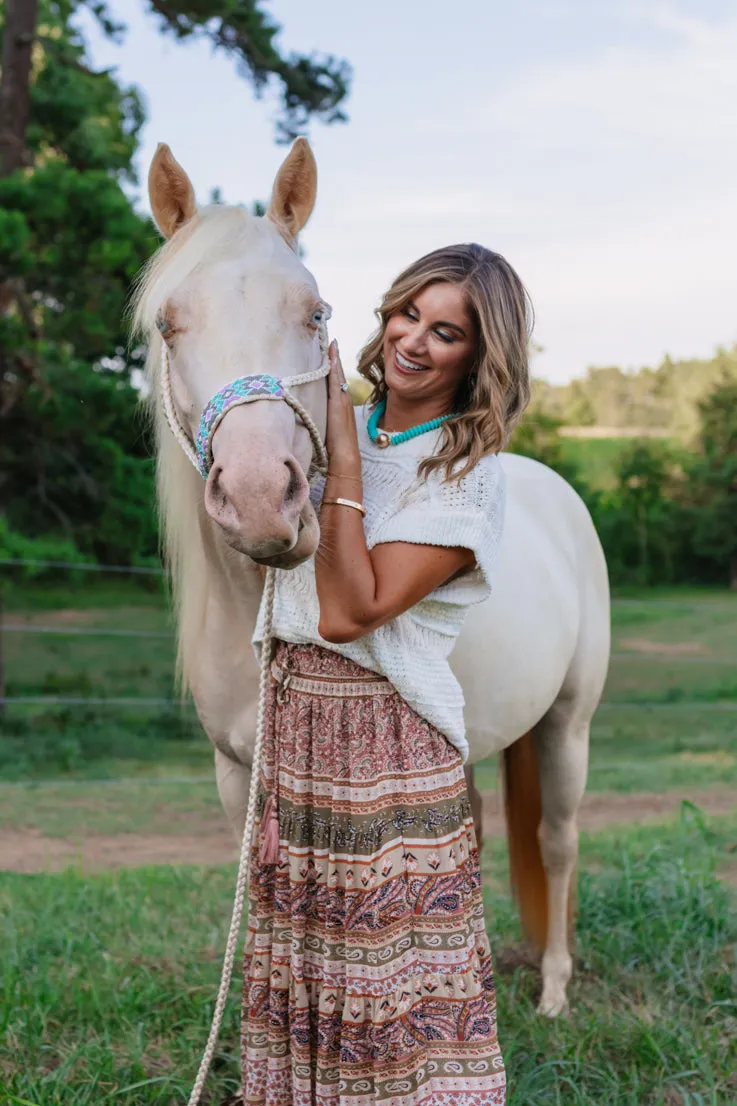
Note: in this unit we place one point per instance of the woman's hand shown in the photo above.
(360, 590)
(341, 440)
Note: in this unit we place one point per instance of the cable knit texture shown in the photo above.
(411, 650)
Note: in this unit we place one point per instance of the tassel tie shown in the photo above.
(269, 853)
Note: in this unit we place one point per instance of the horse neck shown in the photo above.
(216, 591)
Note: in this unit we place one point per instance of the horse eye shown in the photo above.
(162, 326)
(318, 317)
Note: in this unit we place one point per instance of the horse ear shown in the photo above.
(295, 189)
(170, 192)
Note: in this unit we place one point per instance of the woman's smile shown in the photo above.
(404, 365)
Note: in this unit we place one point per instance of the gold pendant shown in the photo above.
(383, 440)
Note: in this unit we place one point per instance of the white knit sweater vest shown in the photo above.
(412, 650)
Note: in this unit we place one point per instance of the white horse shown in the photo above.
(231, 298)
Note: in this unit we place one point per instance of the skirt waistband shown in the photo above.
(330, 687)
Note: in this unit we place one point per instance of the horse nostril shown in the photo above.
(215, 490)
(296, 481)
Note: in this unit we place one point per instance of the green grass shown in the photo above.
(685, 740)
(109, 981)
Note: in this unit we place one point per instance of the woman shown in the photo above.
(368, 974)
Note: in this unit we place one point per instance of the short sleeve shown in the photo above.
(466, 513)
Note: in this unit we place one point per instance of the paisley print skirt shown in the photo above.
(368, 976)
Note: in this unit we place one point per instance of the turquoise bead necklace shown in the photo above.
(384, 438)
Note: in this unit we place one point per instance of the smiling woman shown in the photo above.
(368, 974)
(453, 343)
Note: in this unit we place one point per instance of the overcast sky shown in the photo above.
(592, 142)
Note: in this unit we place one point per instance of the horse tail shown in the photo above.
(523, 808)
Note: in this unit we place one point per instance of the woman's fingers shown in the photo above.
(342, 440)
(338, 386)
(337, 376)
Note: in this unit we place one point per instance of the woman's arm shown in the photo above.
(359, 590)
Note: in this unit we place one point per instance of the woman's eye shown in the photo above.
(444, 336)
(410, 314)
(163, 327)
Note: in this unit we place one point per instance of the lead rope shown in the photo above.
(244, 863)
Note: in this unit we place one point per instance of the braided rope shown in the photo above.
(170, 410)
(244, 863)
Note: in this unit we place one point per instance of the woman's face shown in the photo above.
(430, 345)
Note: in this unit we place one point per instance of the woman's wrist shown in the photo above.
(347, 479)
(346, 472)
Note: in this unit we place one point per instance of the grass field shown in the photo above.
(669, 717)
(108, 978)
(109, 981)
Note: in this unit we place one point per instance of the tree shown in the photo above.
(642, 474)
(312, 85)
(713, 477)
(73, 462)
(20, 26)
(538, 436)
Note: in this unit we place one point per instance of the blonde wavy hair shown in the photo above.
(496, 391)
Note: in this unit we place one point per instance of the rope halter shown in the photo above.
(246, 389)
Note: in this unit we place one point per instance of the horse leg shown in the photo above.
(477, 806)
(562, 752)
(233, 781)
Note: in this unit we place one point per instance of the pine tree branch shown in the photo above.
(53, 47)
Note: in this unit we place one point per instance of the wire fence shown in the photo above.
(82, 566)
(133, 702)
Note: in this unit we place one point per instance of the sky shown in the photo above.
(592, 142)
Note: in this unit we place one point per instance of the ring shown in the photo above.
(344, 387)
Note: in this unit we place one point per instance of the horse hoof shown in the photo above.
(551, 1006)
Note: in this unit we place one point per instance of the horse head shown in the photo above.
(232, 315)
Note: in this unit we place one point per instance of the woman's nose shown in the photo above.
(415, 340)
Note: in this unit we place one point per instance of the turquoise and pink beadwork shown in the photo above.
(240, 391)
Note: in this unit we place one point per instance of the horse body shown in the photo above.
(531, 659)
(519, 651)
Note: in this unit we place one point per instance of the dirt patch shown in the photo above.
(30, 851)
(606, 809)
(665, 648)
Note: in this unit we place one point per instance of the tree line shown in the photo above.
(668, 513)
(664, 399)
(76, 474)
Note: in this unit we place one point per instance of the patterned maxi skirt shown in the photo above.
(368, 976)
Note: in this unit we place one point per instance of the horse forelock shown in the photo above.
(216, 232)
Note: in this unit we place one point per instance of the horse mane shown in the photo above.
(189, 545)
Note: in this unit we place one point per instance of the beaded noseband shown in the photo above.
(245, 389)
